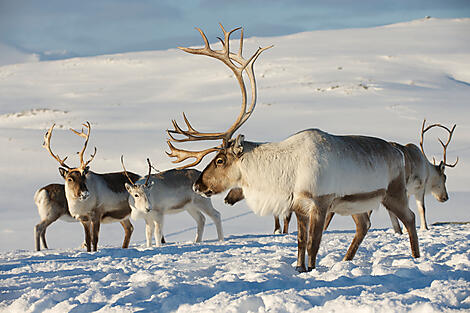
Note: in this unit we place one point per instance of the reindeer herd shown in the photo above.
(313, 174)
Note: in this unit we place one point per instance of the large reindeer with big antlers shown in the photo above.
(94, 198)
(311, 173)
(169, 192)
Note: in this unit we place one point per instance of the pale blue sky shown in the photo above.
(62, 28)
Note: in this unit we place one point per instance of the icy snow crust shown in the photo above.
(378, 81)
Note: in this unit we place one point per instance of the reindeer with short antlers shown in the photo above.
(311, 173)
(94, 198)
(422, 176)
(169, 192)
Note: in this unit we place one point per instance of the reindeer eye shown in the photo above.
(136, 195)
(219, 161)
(69, 179)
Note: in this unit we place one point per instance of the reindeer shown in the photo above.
(169, 192)
(311, 173)
(236, 194)
(52, 205)
(422, 176)
(94, 198)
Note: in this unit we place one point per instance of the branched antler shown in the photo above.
(83, 165)
(82, 134)
(237, 64)
(444, 146)
(47, 145)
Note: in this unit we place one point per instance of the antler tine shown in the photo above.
(423, 130)
(150, 171)
(182, 155)
(444, 146)
(125, 171)
(47, 145)
(451, 132)
(82, 134)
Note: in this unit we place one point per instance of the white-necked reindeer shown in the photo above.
(169, 192)
(236, 194)
(311, 173)
(52, 205)
(94, 198)
(422, 176)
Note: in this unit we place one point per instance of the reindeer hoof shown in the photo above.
(300, 269)
(309, 269)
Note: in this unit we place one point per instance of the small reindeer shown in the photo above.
(169, 192)
(52, 205)
(94, 198)
(422, 176)
(236, 194)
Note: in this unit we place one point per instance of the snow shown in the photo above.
(379, 81)
(246, 273)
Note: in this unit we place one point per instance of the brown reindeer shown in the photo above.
(94, 198)
(311, 173)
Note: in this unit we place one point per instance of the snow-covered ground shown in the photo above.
(248, 273)
(377, 81)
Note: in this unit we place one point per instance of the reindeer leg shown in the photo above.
(200, 221)
(328, 219)
(158, 226)
(277, 225)
(95, 231)
(149, 230)
(205, 205)
(86, 228)
(362, 226)
(315, 232)
(40, 231)
(128, 229)
(396, 201)
(301, 241)
(286, 223)
(422, 211)
(395, 223)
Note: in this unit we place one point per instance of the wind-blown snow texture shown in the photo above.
(378, 81)
(251, 273)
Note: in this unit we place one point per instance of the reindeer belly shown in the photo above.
(357, 203)
(68, 218)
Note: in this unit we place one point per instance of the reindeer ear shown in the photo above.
(150, 184)
(442, 166)
(85, 171)
(62, 172)
(238, 145)
(128, 187)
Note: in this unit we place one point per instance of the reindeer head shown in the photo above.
(75, 178)
(437, 179)
(140, 193)
(222, 172)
